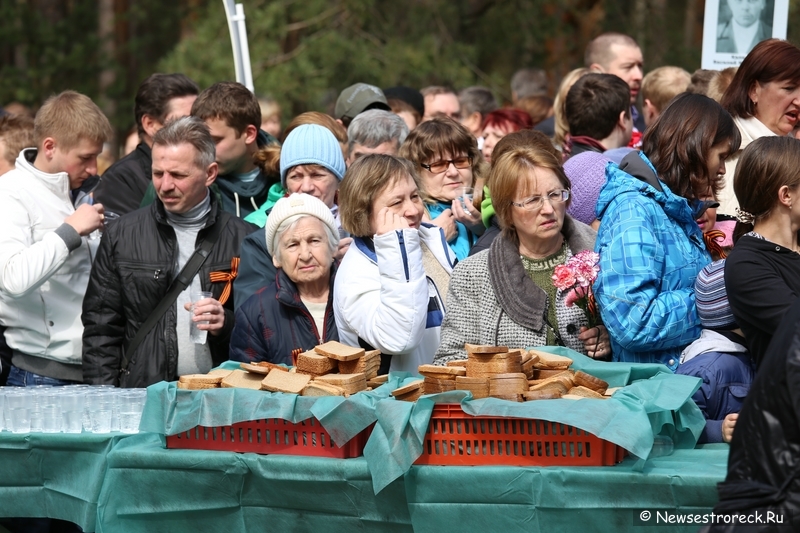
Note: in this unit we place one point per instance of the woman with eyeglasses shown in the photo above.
(451, 167)
(651, 247)
(505, 296)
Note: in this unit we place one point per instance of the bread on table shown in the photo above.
(340, 352)
(239, 379)
(285, 382)
(313, 363)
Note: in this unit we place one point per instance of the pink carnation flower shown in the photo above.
(563, 277)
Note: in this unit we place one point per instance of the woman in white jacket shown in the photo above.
(390, 289)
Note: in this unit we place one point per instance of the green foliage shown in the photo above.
(48, 51)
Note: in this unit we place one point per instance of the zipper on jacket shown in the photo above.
(402, 243)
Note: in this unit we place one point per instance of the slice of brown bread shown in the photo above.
(311, 362)
(550, 386)
(239, 379)
(414, 385)
(411, 396)
(590, 382)
(457, 362)
(351, 383)
(255, 369)
(316, 388)
(369, 364)
(542, 395)
(285, 382)
(482, 348)
(340, 352)
(552, 361)
(271, 366)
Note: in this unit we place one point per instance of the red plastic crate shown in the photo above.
(456, 438)
(269, 436)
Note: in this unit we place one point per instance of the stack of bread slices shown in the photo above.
(330, 369)
(509, 374)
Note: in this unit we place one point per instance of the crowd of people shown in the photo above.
(415, 221)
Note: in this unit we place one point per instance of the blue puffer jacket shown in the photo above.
(651, 250)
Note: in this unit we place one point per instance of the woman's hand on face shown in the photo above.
(596, 341)
(447, 222)
(470, 216)
(390, 221)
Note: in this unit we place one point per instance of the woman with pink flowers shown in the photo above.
(532, 287)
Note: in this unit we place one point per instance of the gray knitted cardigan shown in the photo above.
(492, 300)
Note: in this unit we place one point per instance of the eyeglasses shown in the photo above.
(534, 203)
(438, 167)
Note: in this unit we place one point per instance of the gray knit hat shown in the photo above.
(311, 144)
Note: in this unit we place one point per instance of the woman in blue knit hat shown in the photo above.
(311, 162)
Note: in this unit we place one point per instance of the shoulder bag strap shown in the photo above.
(184, 278)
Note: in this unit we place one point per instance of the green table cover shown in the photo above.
(151, 489)
(563, 500)
(53, 475)
(170, 410)
(654, 402)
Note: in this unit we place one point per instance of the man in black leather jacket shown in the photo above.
(139, 258)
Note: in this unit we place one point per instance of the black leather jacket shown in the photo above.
(132, 272)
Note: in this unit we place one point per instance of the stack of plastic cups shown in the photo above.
(72, 402)
(52, 419)
(100, 404)
(18, 411)
(2, 408)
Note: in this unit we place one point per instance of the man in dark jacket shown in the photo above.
(160, 98)
(763, 474)
(140, 257)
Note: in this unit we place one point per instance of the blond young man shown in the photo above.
(45, 255)
(659, 87)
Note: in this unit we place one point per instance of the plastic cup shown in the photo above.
(72, 411)
(51, 419)
(20, 420)
(466, 196)
(101, 421)
(197, 335)
(131, 405)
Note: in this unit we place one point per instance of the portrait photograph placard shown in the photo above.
(732, 28)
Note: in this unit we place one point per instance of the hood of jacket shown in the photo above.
(636, 174)
(253, 189)
(711, 341)
(58, 183)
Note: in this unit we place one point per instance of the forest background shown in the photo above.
(303, 52)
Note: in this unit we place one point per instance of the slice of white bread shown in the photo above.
(311, 362)
(239, 379)
(285, 382)
(585, 392)
(200, 378)
(316, 388)
(196, 386)
(340, 352)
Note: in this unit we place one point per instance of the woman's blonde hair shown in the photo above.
(560, 104)
(509, 173)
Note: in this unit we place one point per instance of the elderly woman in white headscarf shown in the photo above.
(295, 312)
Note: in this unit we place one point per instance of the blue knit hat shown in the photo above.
(587, 172)
(311, 144)
(713, 307)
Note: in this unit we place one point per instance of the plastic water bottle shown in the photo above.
(662, 446)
